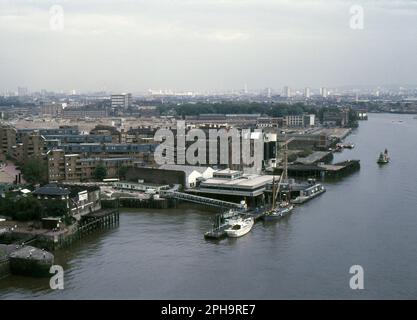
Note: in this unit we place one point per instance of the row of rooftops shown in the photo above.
(107, 147)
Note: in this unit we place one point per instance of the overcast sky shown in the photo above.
(133, 45)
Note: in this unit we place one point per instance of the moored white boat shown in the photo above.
(240, 227)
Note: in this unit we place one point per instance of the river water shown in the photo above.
(368, 218)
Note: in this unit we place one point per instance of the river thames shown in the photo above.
(368, 218)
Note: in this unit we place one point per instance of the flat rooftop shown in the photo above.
(227, 171)
(314, 157)
(244, 182)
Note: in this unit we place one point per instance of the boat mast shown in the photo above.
(285, 167)
(276, 191)
(285, 171)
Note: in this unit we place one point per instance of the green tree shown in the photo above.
(35, 170)
(122, 171)
(100, 172)
(55, 208)
(27, 208)
(353, 119)
(30, 208)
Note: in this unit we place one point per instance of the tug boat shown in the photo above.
(240, 227)
(348, 145)
(383, 157)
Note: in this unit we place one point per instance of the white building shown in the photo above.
(22, 91)
(270, 150)
(123, 100)
(323, 92)
(286, 92)
(235, 183)
(192, 173)
(292, 121)
(309, 120)
(307, 93)
(299, 121)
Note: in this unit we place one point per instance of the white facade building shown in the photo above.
(192, 173)
(123, 100)
(286, 92)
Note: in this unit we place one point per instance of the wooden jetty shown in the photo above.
(101, 219)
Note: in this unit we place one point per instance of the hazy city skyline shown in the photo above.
(205, 45)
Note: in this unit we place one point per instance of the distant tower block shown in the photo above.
(307, 93)
(286, 92)
(323, 92)
(123, 100)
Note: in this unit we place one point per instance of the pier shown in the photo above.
(101, 219)
(341, 168)
(24, 260)
(322, 170)
(31, 261)
(200, 200)
(315, 157)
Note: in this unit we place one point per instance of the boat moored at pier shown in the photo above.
(281, 211)
(283, 207)
(240, 227)
(309, 193)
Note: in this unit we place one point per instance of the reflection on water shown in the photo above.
(367, 218)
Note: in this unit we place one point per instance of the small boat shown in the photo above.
(383, 157)
(281, 211)
(232, 220)
(221, 222)
(240, 227)
(338, 148)
(349, 145)
(309, 193)
(283, 208)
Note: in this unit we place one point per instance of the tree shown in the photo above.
(35, 170)
(27, 208)
(55, 208)
(100, 172)
(122, 171)
(353, 119)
